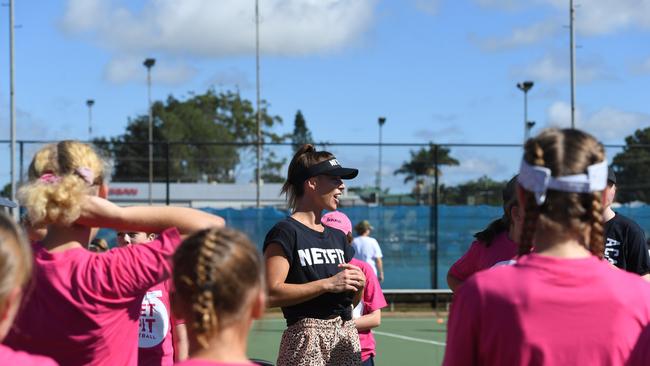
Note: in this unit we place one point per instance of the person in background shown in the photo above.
(367, 314)
(560, 303)
(367, 248)
(83, 308)
(98, 245)
(163, 338)
(625, 242)
(496, 244)
(16, 268)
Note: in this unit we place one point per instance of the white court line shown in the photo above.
(442, 344)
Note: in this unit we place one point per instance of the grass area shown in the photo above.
(401, 340)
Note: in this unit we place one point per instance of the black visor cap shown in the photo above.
(329, 167)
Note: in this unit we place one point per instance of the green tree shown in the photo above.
(272, 171)
(301, 134)
(631, 167)
(423, 163)
(198, 122)
(483, 190)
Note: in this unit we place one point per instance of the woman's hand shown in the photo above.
(349, 279)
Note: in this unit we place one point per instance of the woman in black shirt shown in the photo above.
(307, 271)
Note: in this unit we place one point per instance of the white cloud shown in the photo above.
(599, 17)
(129, 68)
(522, 36)
(473, 167)
(554, 68)
(231, 78)
(592, 18)
(609, 125)
(221, 28)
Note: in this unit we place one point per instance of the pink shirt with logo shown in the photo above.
(17, 358)
(155, 340)
(479, 256)
(373, 299)
(548, 311)
(84, 307)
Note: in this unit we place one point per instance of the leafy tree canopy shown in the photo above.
(631, 167)
(198, 122)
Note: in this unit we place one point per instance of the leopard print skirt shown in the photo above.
(317, 342)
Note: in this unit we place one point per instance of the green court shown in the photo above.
(400, 340)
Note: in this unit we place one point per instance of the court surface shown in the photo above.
(400, 340)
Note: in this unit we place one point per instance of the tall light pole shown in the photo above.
(258, 118)
(12, 108)
(525, 87)
(380, 121)
(573, 64)
(90, 103)
(529, 126)
(148, 63)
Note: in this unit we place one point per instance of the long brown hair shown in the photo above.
(564, 152)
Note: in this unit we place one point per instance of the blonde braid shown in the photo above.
(203, 305)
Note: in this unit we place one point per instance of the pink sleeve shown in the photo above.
(373, 297)
(641, 353)
(468, 264)
(463, 326)
(130, 271)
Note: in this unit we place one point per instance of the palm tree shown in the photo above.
(423, 163)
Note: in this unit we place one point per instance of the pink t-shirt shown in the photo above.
(17, 358)
(197, 362)
(84, 307)
(373, 299)
(550, 311)
(479, 257)
(155, 341)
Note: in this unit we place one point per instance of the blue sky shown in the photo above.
(442, 71)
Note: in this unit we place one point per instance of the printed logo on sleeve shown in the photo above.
(154, 320)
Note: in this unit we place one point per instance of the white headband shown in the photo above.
(538, 179)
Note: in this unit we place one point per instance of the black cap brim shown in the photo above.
(7, 203)
(611, 176)
(344, 173)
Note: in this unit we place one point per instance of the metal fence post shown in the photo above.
(167, 169)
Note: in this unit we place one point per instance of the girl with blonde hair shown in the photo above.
(84, 307)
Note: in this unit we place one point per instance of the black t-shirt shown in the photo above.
(625, 245)
(312, 256)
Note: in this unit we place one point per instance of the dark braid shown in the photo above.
(596, 240)
(214, 270)
(535, 156)
(565, 152)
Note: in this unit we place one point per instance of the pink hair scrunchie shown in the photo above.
(49, 178)
(86, 174)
